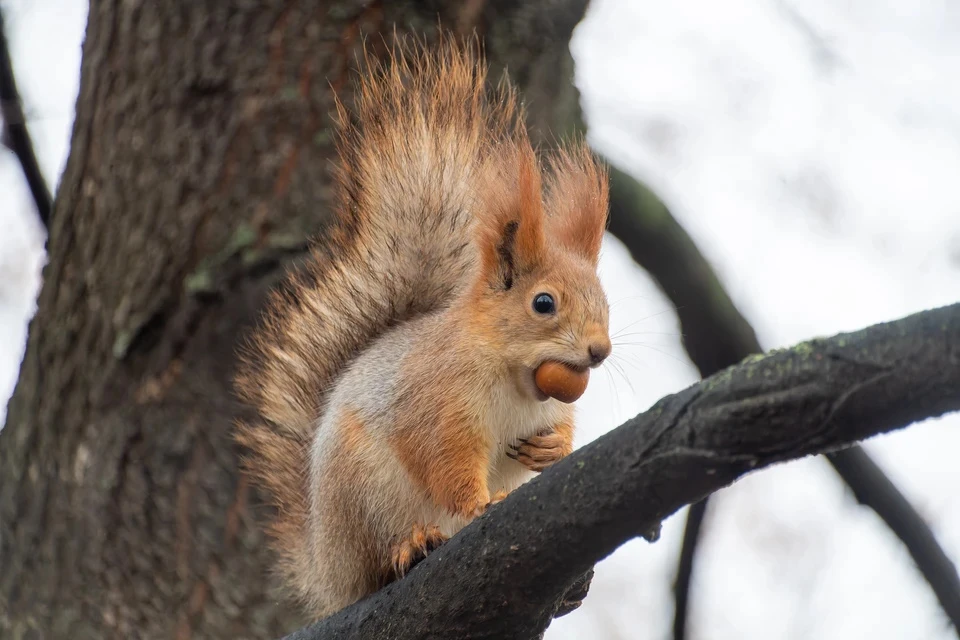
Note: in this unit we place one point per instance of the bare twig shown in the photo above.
(681, 584)
(715, 336)
(505, 573)
(16, 134)
(873, 489)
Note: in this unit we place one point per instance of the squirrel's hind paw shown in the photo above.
(495, 498)
(407, 553)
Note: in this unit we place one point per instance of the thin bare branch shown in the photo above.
(16, 135)
(682, 582)
(872, 488)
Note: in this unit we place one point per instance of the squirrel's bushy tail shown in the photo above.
(411, 156)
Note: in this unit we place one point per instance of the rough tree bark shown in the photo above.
(197, 168)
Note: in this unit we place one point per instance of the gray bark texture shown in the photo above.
(199, 165)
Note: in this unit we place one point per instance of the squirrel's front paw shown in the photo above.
(539, 452)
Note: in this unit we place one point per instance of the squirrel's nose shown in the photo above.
(599, 352)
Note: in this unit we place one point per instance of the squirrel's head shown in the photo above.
(539, 237)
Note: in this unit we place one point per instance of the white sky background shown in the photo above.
(811, 148)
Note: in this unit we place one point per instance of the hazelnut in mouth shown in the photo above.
(561, 381)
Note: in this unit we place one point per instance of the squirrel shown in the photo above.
(397, 375)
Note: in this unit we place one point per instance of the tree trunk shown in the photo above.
(198, 166)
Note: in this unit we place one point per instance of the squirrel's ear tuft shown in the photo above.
(510, 217)
(578, 196)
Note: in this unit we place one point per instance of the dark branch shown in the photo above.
(872, 488)
(681, 585)
(16, 134)
(505, 573)
(715, 333)
(715, 336)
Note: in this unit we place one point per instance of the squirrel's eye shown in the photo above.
(543, 303)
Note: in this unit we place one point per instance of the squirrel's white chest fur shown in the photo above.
(369, 387)
(510, 417)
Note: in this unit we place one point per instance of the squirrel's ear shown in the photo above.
(578, 196)
(510, 219)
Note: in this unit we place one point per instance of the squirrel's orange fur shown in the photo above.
(394, 375)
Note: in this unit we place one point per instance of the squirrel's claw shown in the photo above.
(409, 552)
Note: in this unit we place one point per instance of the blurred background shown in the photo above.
(812, 151)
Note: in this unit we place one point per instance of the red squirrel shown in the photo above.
(423, 363)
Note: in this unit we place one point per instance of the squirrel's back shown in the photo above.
(411, 156)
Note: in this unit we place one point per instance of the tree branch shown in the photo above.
(716, 335)
(503, 575)
(681, 585)
(16, 134)
(872, 488)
